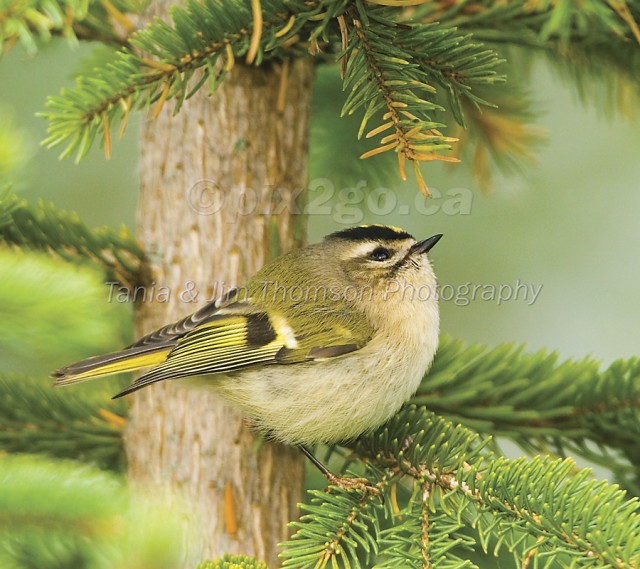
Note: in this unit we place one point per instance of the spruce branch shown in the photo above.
(534, 507)
(383, 80)
(530, 23)
(542, 404)
(337, 528)
(393, 56)
(83, 424)
(593, 45)
(463, 498)
(46, 228)
(174, 61)
(31, 22)
(389, 67)
(590, 42)
(570, 515)
(455, 62)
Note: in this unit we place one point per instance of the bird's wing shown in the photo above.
(149, 351)
(170, 333)
(244, 334)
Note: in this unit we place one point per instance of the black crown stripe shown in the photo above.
(370, 233)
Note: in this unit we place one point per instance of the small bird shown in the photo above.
(324, 344)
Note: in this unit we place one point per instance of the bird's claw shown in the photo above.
(353, 483)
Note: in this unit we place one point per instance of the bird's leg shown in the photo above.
(345, 482)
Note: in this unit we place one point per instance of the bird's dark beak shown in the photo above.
(426, 245)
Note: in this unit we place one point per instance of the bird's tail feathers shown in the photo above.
(131, 359)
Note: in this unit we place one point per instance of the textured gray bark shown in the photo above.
(194, 168)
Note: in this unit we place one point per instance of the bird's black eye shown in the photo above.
(380, 254)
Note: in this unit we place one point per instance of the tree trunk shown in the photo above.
(219, 187)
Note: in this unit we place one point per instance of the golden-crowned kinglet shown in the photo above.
(324, 343)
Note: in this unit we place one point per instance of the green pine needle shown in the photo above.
(390, 70)
(394, 59)
(338, 528)
(61, 233)
(84, 424)
(463, 499)
(32, 22)
(200, 46)
(543, 404)
(526, 22)
(591, 43)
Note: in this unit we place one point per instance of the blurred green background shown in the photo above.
(568, 223)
